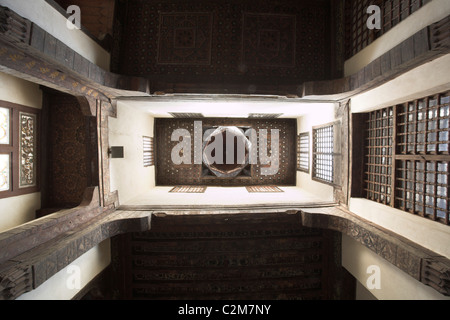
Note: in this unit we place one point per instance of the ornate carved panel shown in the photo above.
(168, 173)
(225, 44)
(5, 164)
(269, 40)
(27, 153)
(249, 256)
(185, 38)
(71, 151)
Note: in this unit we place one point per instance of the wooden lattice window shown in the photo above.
(407, 157)
(326, 154)
(379, 155)
(395, 11)
(18, 149)
(422, 188)
(358, 35)
(303, 152)
(149, 156)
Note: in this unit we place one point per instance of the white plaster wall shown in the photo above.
(63, 285)
(19, 91)
(49, 19)
(394, 283)
(128, 175)
(318, 116)
(15, 211)
(428, 14)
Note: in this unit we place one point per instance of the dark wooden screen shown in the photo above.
(256, 256)
(170, 174)
(358, 35)
(407, 157)
(149, 156)
(326, 153)
(19, 149)
(379, 156)
(303, 152)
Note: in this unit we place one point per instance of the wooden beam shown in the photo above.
(29, 52)
(427, 44)
(420, 263)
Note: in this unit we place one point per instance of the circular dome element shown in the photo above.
(226, 151)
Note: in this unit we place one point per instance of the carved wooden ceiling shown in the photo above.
(35, 253)
(168, 173)
(255, 256)
(241, 45)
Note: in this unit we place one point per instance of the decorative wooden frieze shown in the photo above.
(104, 111)
(29, 270)
(28, 51)
(27, 236)
(417, 261)
(425, 45)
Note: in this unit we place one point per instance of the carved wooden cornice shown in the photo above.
(38, 250)
(420, 263)
(428, 44)
(29, 52)
(71, 238)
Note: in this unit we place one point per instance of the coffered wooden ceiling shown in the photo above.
(245, 46)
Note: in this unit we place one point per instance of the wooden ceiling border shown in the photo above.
(420, 263)
(427, 44)
(29, 52)
(41, 259)
(34, 252)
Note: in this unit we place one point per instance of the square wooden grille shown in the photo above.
(358, 35)
(423, 126)
(379, 155)
(188, 189)
(303, 152)
(149, 156)
(323, 153)
(258, 189)
(407, 157)
(422, 187)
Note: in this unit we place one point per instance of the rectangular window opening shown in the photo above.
(407, 157)
(303, 152)
(149, 157)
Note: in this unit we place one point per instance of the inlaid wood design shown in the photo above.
(185, 38)
(269, 40)
(249, 256)
(228, 43)
(170, 174)
(71, 151)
